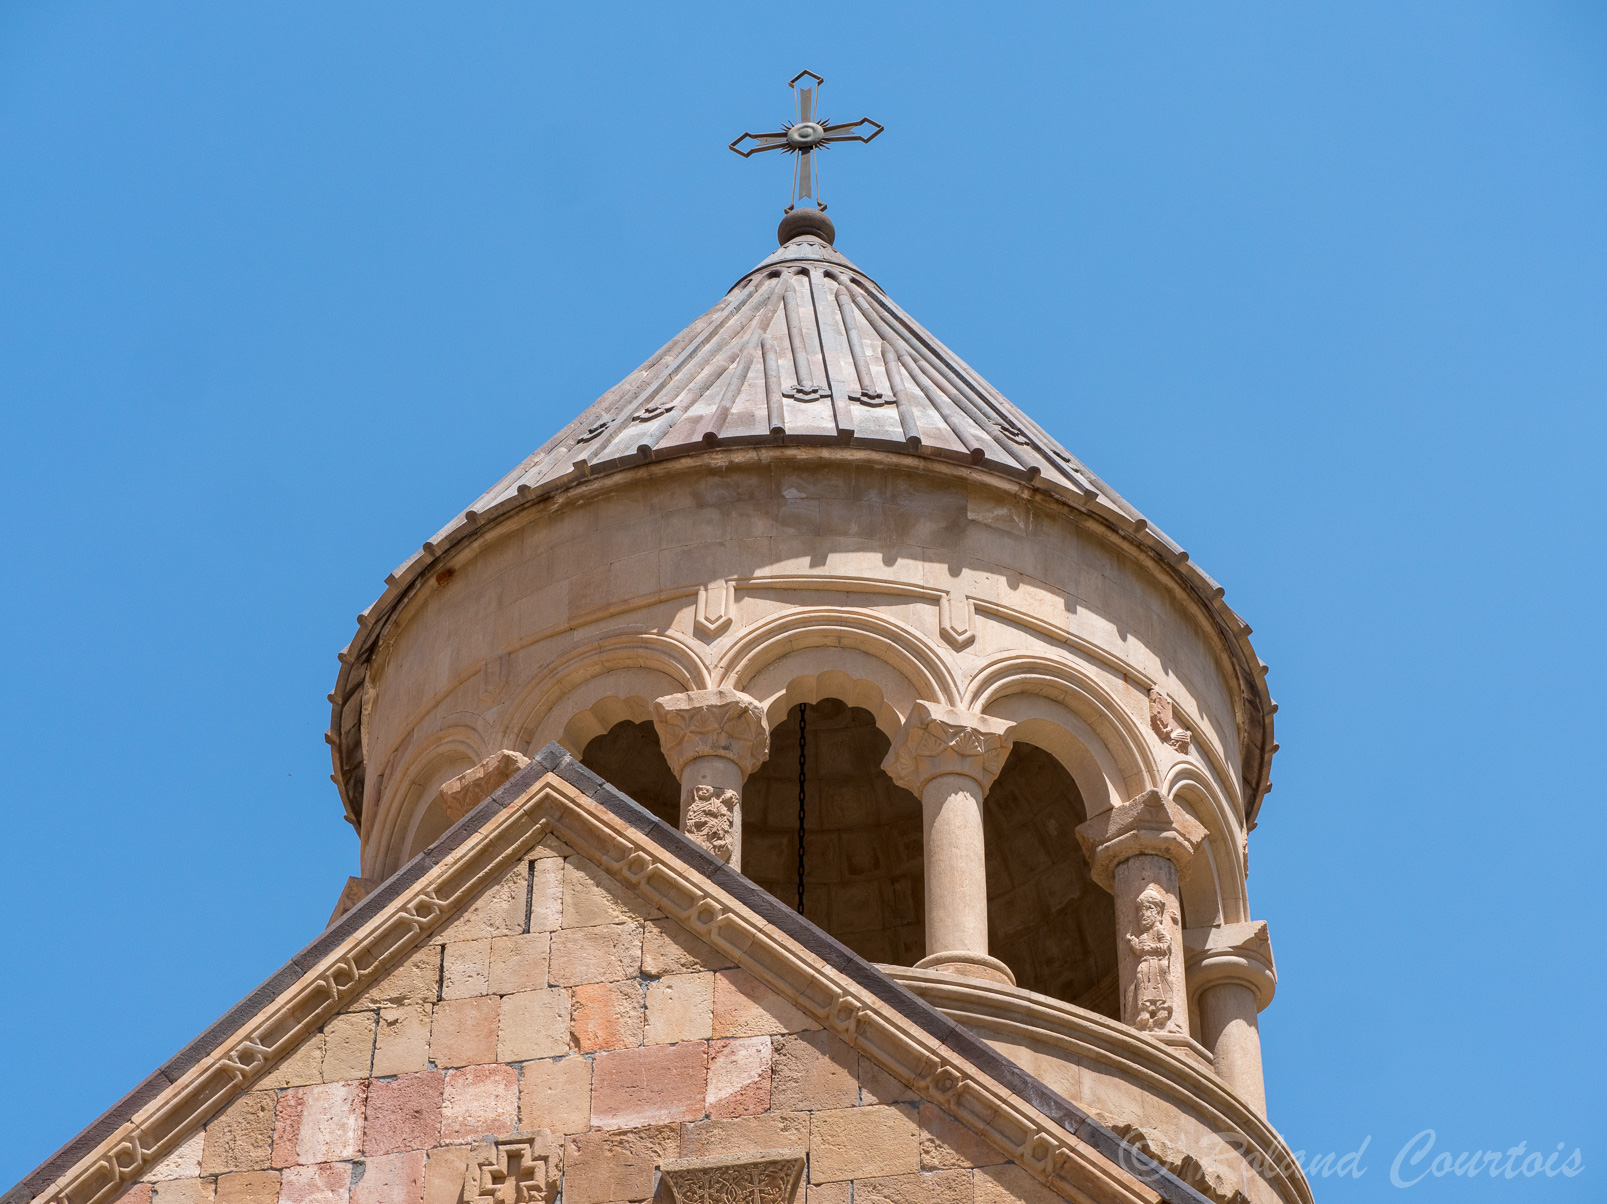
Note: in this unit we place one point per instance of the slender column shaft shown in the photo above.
(956, 868)
(1230, 1031)
(1149, 944)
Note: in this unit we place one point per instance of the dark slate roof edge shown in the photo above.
(772, 910)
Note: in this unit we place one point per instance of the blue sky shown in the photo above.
(1321, 288)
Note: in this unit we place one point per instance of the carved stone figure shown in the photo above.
(710, 819)
(1151, 1005)
(1160, 718)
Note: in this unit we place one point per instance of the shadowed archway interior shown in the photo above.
(627, 756)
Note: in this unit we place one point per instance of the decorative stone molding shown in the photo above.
(969, 965)
(1214, 1182)
(712, 723)
(522, 1168)
(473, 786)
(956, 619)
(1160, 718)
(1149, 823)
(716, 607)
(763, 1177)
(1239, 953)
(938, 739)
(711, 819)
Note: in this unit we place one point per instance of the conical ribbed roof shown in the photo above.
(804, 349)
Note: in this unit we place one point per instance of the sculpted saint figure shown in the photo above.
(709, 819)
(1152, 945)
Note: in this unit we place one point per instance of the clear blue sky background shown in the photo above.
(1322, 288)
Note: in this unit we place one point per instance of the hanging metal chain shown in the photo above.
(803, 735)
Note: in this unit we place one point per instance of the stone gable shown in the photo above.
(565, 974)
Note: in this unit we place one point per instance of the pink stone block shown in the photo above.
(479, 1101)
(321, 1183)
(392, 1179)
(651, 1085)
(403, 1114)
(331, 1125)
(739, 1077)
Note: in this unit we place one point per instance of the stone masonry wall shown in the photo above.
(560, 1001)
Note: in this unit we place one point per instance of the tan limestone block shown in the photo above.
(443, 1174)
(183, 1163)
(551, 846)
(349, 1046)
(392, 1179)
(185, 1191)
(479, 1100)
(556, 1096)
(606, 1015)
(946, 1144)
(499, 910)
(600, 1167)
(302, 1067)
(402, 1044)
(473, 786)
(947, 1187)
(745, 1007)
(606, 953)
(1010, 1184)
(813, 1071)
(415, 981)
(667, 948)
(141, 1193)
(518, 963)
(322, 1123)
(533, 1024)
(742, 1134)
(652, 1085)
(248, 1187)
(593, 897)
(829, 1193)
(463, 1032)
(862, 1143)
(321, 1183)
(546, 891)
(891, 1189)
(876, 1086)
(404, 1113)
(739, 1077)
(241, 1138)
(680, 1007)
(466, 969)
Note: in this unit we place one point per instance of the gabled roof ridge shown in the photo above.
(973, 1082)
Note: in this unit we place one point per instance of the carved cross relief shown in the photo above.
(521, 1168)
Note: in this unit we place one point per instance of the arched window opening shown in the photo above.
(628, 758)
(1047, 919)
(863, 863)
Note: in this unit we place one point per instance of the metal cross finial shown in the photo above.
(804, 137)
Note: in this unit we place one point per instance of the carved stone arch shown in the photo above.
(809, 653)
(1070, 715)
(574, 693)
(1212, 885)
(404, 807)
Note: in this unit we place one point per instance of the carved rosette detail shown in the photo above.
(522, 1168)
(1166, 727)
(765, 1177)
(711, 820)
(937, 739)
(712, 723)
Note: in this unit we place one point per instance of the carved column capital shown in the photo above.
(712, 723)
(1240, 953)
(938, 739)
(1150, 823)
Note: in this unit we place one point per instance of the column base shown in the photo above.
(969, 965)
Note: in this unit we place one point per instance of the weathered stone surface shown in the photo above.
(498, 911)
(241, 1139)
(392, 1179)
(183, 1163)
(668, 948)
(947, 1187)
(303, 1066)
(876, 1086)
(248, 1187)
(518, 963)
(320, 1183)
(402, 1043)
(772, 1131)
(652, 1085)
(349, 1046)
(556, 1095)
(443, 1174)
(403, 1114)
(415, 981)
(592, 897)
(473, 786)
(185, 1191)
(745, 1007)
(680, 1007)
(946, 1144)
(739, 1076)
(466, 968)
(618, 1165)
(606, 953)
(463, 1032)
(323, 1123)
(606, 1015)
(534, 1024)
(142, 1193)
(1010, 1184)
(812, 1071)
(861, 1143)
(479, 1100)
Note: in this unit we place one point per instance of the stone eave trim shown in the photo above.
(1255, 708)
(955, 1069)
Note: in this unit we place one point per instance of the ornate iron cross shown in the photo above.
(805, 136)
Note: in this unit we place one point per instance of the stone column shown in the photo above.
(713, 739)
(1135, 851)
(948, 758)
(1231, 975)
